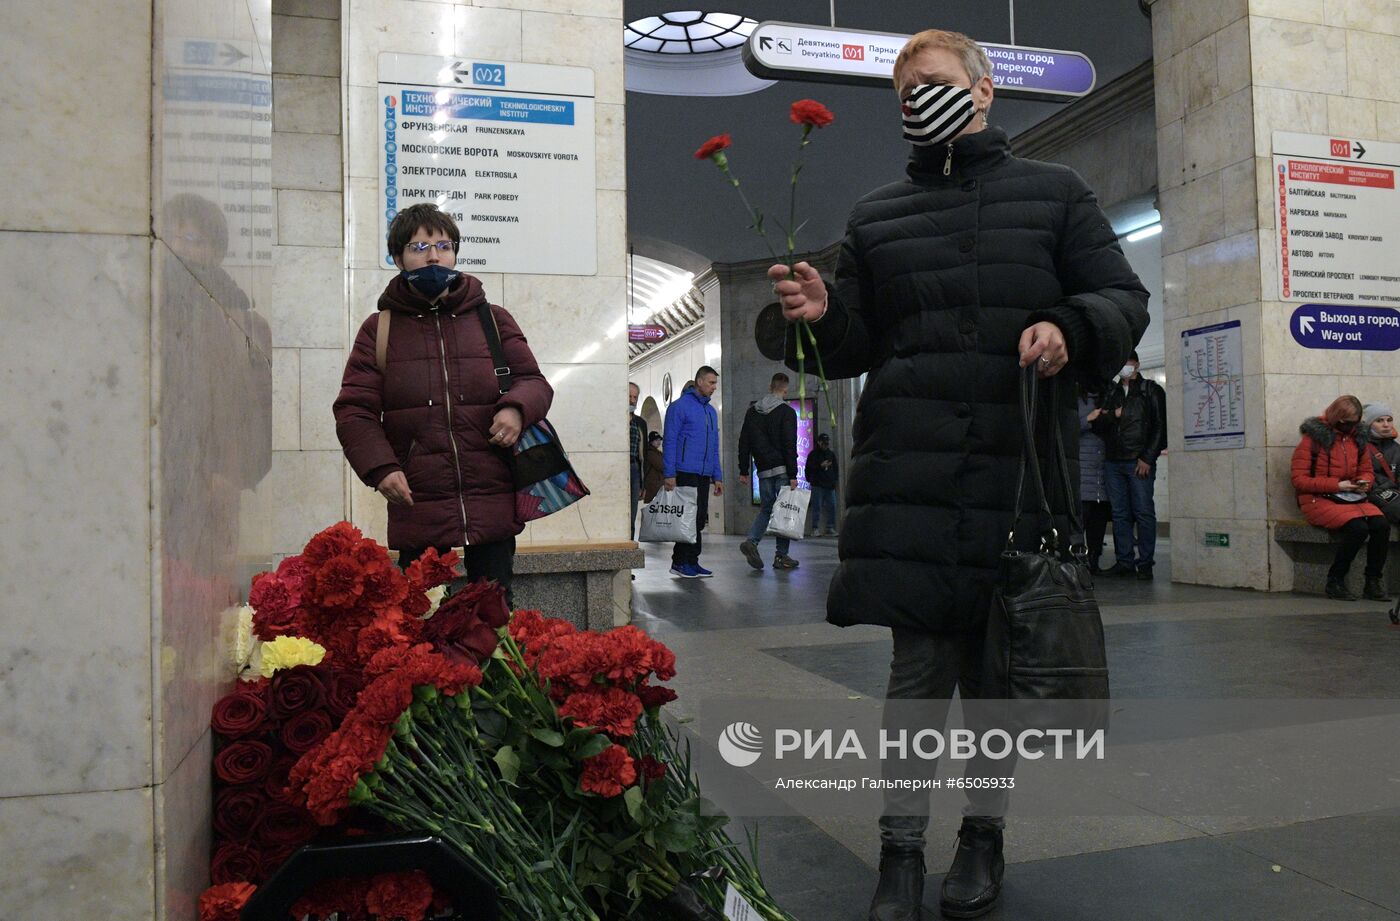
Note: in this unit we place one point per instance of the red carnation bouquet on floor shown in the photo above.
(809, 114)
(536, 749)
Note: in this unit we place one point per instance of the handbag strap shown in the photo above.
(381, 340)
(1030, 461)
(493, 342)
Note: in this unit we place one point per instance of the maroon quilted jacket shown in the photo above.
(429, 414)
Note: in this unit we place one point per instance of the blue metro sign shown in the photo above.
(1370, 329)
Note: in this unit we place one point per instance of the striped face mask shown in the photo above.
(936, 112)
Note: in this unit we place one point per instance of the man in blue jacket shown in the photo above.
(690, 454)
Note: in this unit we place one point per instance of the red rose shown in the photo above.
(284, 825)
(810, 112)
(225, 902)
(239, 714)
(713, 146)
(485, 599)
(237, 811)
(431, 570)
(275, 784)
(651, 768)
(406, 896)
(340, 693)
(243, 762)
(464, 627)
(234, 863)
(653, 696)
(610, 710)
(305, 731)
(609, 773)
(337, 539)
(296, 689)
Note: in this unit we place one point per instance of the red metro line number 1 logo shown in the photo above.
(1341, 148)
(853, 52)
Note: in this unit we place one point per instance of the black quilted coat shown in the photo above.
(937, 279)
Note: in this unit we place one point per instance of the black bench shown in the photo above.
(1312, 548)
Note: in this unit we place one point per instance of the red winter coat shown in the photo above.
(438, 433)
(1339, 457)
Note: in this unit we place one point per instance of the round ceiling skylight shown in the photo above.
(688, 32)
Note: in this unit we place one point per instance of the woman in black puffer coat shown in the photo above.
(948, 282)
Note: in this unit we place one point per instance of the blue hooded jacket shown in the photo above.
(691, 442)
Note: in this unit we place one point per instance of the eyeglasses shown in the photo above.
(442, 246)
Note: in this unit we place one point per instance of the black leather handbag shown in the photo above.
(1044, 633)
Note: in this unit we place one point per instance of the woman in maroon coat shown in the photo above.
(1330, 460)
(432, 432)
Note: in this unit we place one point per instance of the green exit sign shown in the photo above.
(1217, 539)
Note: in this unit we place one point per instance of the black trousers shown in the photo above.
(1096, 515)
(690, 553)
(1355, 533)
(494, 561)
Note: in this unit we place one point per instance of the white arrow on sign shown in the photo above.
(1305, 325)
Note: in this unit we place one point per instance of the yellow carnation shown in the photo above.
(289, 651)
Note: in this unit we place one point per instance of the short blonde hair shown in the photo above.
(974, 59)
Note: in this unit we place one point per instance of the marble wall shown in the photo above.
(1228, 75)
(143, 424)
(576, 325)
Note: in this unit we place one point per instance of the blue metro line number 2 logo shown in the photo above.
(488, 75)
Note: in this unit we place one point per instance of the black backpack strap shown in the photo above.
(493, 342)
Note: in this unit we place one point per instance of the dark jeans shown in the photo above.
(494, 561)
(1131, 498)
(635, 497)
(823, 499)
(1355, 533)
(690, 553)
(1097, 515)
(768, 489)
(928, 667)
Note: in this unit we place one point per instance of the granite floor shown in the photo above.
(751, 634)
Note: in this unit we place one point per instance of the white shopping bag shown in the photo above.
(789, 517)
(670, 517)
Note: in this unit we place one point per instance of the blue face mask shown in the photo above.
(430, 280)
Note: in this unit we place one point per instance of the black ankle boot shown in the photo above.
(974, 880)
(1374, 590)
(900, 893)
(1337, 589)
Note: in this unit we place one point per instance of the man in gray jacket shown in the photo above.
(768, 440)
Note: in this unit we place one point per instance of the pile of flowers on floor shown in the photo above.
(373, 699)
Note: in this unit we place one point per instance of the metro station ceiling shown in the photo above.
(674, 198)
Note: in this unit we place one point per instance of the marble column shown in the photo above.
(136, 252)
(1228, 75)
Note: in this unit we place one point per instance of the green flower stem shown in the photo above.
(753, 213)
(821, 371)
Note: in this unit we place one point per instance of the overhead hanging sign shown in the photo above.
(824, 54)
(506, 148)
(1338, 206)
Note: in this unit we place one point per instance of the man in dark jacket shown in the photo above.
(768, 441)
(637, 448)
(690, 455)
(824, 476)
(947, 284)
(430, 429)
(1134, 430)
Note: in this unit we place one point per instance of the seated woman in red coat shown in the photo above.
(1330, 466)
(431, 430)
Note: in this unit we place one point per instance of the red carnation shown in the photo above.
(237, 811)
(713, 146)
(431, 570)
(339, 538)
(384, 585)
(274, 606)
(406, 896)
(234, 863)
(339, 582)
(225, 902)
(628, 651)
(239, 714)
(663, 662)
(345, 894)
(651, 768)
(385, 631)
(609, 773)
(610, 710)
(654, 696)
(305, 731)
(810, 112)
(243, 762)
(294, 690)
